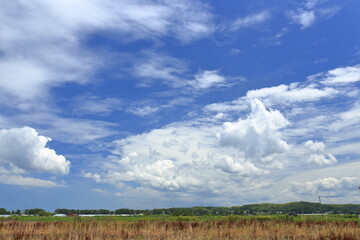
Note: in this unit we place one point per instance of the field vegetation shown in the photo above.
(334, 227)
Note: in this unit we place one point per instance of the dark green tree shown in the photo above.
(3, 211)
(34, 211)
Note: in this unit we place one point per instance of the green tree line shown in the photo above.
(262, 208)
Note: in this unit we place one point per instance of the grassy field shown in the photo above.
(167, 227)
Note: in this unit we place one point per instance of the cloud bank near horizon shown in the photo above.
(221, 159)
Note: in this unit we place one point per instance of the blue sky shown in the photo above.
(147, 104)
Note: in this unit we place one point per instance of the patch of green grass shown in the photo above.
(165, 218)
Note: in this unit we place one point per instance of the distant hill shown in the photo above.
(300, 207)
(262, 208)
(266, 208)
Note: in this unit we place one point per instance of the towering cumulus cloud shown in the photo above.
(23, 148)
(189, 156)
(257, 135)
(210, 157)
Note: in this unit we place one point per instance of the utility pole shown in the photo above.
(320, 206)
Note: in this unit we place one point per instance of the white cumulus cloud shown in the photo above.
(316, 154)
(257, 135)
(203, 156)
(24, 148)
(329, 184)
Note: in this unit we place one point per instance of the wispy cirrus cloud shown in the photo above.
(145, 108)
(153, 68)
(27, 181)
(339, 76)
(250, 20)
(312, 11)
(294, 92)
(95, 105)
(207, 78)
(321, 86)
(304, 18)
(63, 129)
(44, 49)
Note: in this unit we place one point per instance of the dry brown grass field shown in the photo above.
(217, 228)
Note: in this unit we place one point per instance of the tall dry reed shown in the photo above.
(211, 229)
